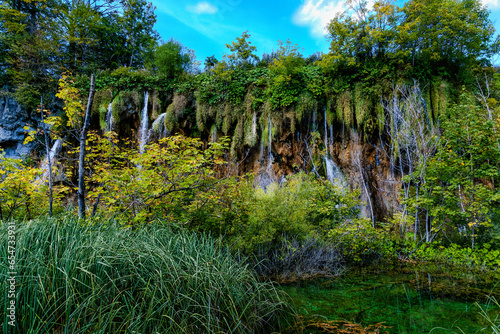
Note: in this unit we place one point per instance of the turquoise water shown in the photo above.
(406, 299)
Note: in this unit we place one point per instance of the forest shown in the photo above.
(353, 191)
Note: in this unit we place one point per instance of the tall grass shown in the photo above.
(75, 278)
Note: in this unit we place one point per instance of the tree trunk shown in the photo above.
(81, 164)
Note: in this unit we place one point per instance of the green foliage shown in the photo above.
(459, 186)
(301, 207)
(484, 257)
(425, 37)
(160, 182)
(360, 243)
(23, 191)
(242, 51)
(102, 277)
(171, 59)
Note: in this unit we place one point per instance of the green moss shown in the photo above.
(362, 105)
(200, 111)
(103, 111)
(170, 119)
(306, 104)
(344, 108)
(251, 130)
(228, 121)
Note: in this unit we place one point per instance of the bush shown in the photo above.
(108, 279)
(300, 207)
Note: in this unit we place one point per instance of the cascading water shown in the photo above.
(158, 127)
(314, 116)
(254, 125)
(326, 133)
(143, 131)
(267, 177)
(54, 151)
(331, 134)
(269, 143)
(213, 133)
(110, 120)
(333, 173)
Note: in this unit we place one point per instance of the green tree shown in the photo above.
(446, 36)
(461, 180)
(137, 23)
(162, 181)
(242, 51)
(171, 59)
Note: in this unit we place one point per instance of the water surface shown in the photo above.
(406, 299)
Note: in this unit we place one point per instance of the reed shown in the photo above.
(103, 278)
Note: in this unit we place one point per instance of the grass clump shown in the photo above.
(75, 278)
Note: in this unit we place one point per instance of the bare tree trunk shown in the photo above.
(47, 149)
(81, 163)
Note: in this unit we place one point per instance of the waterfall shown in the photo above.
(158, 127)
(333, 173)
(143, 131)
(314, 116)
(54, 151)
(110, 120)
(213, 133)
(266, 177)
(331, 134)
(270, 154)
(254, 125)
(326, 133)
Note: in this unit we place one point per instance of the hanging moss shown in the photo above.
(220, 114)
(330, 111)
(213, 133)
(439, 98)
(180, 103)
(170, 119)
(228, 120)
(127, 101)
(251, 130)
(200, 110)
(344, 109)
(379, 111)
(362, 105)
(306, 104)
(103, 112)
(155, 105)
(237, 137)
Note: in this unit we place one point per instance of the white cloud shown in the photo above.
(202, 8)
(491, 3)
(317, 14)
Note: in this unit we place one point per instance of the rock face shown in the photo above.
(364, 164)
(13, 119)
(362, 161)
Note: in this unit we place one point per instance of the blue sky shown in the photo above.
(207, 25)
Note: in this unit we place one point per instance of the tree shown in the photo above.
(360, 35)
(413, 140)
(81, 122)
(160, 182)
(210, 62)
(29, 50)
(83, 141)
(137, 24)
(447, 38)
(243, 52)
(461, 180)
(171, 59)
